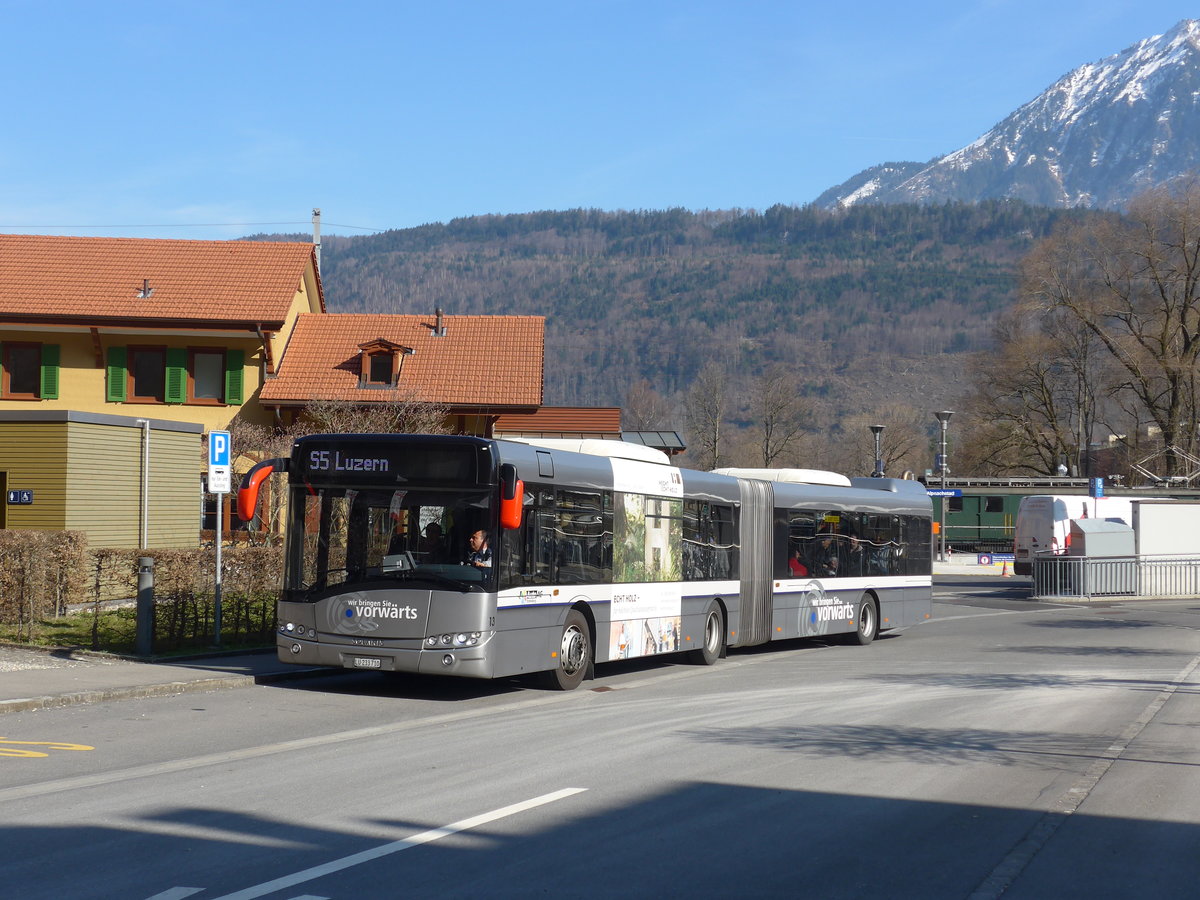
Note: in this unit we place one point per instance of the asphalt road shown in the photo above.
(1007, 748)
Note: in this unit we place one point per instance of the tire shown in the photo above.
(868, 621)
(574, 654)
(712, 640)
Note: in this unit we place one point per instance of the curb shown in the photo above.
(166, 689)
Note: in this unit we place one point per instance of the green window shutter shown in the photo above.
(175, 390)
(234, 376)
(116, 375)
(49, 380)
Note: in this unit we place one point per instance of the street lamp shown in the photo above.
(877, 430)
(944, 418)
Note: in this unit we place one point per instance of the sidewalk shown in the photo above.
(40, 679)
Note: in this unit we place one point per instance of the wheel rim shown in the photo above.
(712, 632)
(573, 652)
(866, 619)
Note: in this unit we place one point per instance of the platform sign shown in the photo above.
(219, 462)
(948, 492)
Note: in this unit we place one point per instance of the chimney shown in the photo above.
(439, 329)
(317, 235)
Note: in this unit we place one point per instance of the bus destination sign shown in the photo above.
(388, 463)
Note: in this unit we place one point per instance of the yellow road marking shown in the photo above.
(13, 748)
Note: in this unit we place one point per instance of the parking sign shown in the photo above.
(219, 462)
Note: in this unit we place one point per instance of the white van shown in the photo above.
(1044, 523)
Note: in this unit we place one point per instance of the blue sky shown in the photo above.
(207, 120)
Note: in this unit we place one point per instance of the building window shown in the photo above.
(380, 362)
(147, 375)
(28, 371)
(22, 364)
(201, 376)
(380, 370)
(206, 376)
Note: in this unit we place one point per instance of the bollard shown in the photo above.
(145, 607)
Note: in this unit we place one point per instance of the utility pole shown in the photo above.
(944, 418)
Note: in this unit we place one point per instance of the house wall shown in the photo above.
(82, 384)
(86, 473)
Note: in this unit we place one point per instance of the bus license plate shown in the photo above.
(367, 662)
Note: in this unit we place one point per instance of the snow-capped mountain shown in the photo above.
(1100, 135)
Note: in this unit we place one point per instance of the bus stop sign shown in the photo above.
(219, 478)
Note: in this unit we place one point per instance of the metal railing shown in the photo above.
(1082, 577)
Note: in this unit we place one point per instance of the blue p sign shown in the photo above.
(218, 448)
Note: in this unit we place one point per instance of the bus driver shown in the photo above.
(481, 554)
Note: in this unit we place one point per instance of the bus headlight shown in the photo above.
(431, 641)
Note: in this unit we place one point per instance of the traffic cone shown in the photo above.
(1004, 573)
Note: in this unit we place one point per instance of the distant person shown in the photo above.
(480, 555)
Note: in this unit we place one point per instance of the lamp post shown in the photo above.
(877, 430)
(944, 418)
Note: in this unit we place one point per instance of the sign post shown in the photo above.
(219, 462)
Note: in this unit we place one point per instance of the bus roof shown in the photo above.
(598, 447)
(795, 476)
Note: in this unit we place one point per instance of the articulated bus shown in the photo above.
(600, 552)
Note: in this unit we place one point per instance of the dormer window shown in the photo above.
(381, 362)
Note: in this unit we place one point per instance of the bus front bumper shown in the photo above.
(465, 662)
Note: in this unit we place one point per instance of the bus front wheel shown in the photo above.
(574, 654)
(714, 634)
(868, 621)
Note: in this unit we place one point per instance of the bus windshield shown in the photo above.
(343, 536)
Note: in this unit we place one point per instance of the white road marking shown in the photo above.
(425, 837)
(176, 893)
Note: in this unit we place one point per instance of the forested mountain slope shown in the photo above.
(871, 306)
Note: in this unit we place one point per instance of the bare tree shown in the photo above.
(1036, 394)
(778, 413)
(399, 413)
(645, 409)
(707, 401)
(1134, 284)
(903, 446)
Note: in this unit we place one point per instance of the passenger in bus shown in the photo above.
(795, 566)
(856, 557)
(481, 554)
(431, 546)
(825, 558)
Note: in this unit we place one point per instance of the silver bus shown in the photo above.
(486, 558)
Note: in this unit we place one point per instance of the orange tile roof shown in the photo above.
(99, 278)
(488, 362)
(550, 421)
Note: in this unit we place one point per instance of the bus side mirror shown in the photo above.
(512, 497)
(247, 498)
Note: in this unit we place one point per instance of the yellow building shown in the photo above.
(116, 355)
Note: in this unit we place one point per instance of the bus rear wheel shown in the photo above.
(714, 634)
(868, 621)
(574, 654)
